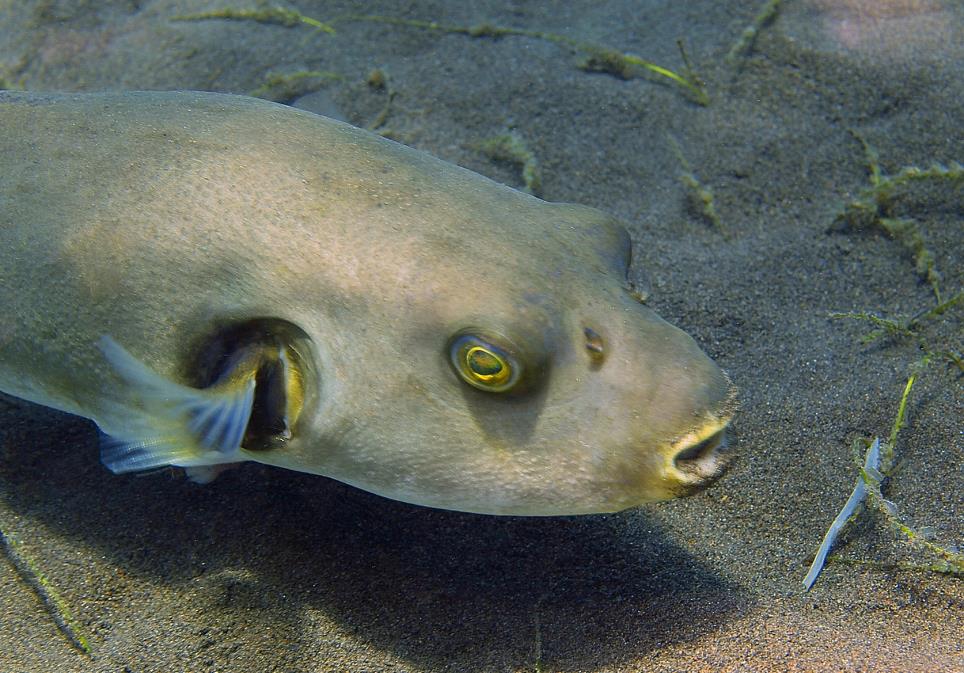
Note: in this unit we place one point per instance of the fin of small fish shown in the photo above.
(173, 424)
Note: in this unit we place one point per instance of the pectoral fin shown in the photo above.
(171, 424)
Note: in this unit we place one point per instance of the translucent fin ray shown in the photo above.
(171, 424)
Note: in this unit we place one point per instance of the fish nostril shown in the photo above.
(701, 459)
(594, 346)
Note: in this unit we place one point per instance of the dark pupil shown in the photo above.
(484, 364)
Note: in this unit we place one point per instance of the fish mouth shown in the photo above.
(701, 459)
(697, 458)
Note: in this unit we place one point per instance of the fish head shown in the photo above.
(512, 371)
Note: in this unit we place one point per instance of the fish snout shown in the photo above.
(684, 403)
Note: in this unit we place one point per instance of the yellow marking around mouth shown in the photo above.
(710, 465)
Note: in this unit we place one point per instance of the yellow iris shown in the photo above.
(486, 366)
(482, 364)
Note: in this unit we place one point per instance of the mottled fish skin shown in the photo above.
(160, 218)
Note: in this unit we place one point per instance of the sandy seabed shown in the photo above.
(266, 570)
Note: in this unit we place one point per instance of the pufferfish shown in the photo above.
(215, 279)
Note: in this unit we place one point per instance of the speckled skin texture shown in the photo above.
(158, 217)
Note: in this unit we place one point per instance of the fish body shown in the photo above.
(214, 279)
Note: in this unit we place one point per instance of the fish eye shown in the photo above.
(484, 361)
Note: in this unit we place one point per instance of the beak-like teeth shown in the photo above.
(699, 459)
(695, 458)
